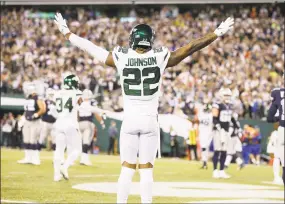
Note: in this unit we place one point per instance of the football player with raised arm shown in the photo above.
(140, 68)
(278, 104)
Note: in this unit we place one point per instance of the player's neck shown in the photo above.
(141, 50)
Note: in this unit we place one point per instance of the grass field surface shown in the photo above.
(177, 181)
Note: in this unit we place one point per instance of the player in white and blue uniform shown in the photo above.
(205, 119)
(140, 68)
(48, 119)
(234, 144)
(272, 150)
(34, 108)
(278, 104)
(87, 110)
(222, 116)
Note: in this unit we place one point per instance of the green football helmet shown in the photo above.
(71, 82)
(142, 36)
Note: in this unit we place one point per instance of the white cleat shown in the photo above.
(216, 174)
(64, 173)
(86, 162)
(24, 161)
(224, 175)
(278, 181)
(36, 162)
(57, 178)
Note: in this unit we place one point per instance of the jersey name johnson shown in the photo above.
(140, 76)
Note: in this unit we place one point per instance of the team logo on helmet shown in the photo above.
(71, 82)
(141, 35)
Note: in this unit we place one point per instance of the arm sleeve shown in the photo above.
(117, 54)
(236, 124)
(164, 57)
(86, 45)
(216, 121)
(271, 114)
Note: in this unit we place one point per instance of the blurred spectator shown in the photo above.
(17, 132)
(251, 144)
(113, 134)
(192, 144)
(249, 60)
(7, 128)
(174, 152)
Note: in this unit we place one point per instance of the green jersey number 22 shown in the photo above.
(147, 91)
(68, 105)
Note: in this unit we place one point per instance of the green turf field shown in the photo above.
(35, 183)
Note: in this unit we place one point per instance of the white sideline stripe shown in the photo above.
(240, 201)
(271, 182)
(95, 175)
(17, 172)
(15, 201)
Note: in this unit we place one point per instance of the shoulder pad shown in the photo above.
(124, 50)
(157, 50)
(78, 93)
(275, 90)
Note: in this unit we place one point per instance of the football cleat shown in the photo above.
(278, 181)
(216, 174)
(36, 162)
(86, 163)
(57, 178)
(24, 161)
(204, 166)
(85, 160)
(224, 175)
(35, 158)
(240, 167)
(64, 173)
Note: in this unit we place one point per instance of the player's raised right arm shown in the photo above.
(181, 53)
(95, 51)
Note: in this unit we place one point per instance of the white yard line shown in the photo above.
(15, 201)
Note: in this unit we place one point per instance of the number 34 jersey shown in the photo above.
(140, 77)
(67, 106)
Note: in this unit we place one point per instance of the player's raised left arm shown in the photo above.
(180, 54)
(95, 51)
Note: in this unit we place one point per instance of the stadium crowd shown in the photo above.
(250, 60)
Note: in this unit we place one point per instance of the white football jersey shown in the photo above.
(205, 121)
(67, 104)
(140, 77)
(87, 108)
